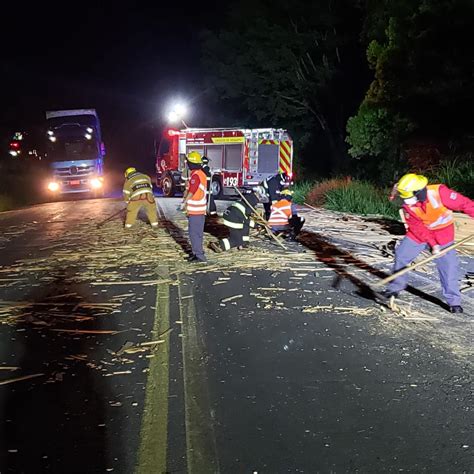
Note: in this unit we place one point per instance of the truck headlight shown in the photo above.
(53, 186)
(95, 183)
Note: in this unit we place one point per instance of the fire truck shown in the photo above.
(237, 157)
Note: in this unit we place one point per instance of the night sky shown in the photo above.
(128, 63)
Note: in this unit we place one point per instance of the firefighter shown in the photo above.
(429, 220)
(211, 204)
(273, 187)
(237, 217)
(284, 216)
(195, 205)
(138, 194)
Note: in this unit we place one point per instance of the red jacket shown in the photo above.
(418, 232)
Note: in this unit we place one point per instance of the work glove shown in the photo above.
(436, 249)
(182, 206)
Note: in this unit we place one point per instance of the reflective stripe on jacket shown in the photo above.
(197, 205)
(136, 185)
(280, 214)
(235, 216)
(435, 216)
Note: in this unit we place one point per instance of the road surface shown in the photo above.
(118, 356)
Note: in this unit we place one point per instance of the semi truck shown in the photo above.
(75, 152)
(237, 157)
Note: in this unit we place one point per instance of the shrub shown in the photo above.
(317, 195)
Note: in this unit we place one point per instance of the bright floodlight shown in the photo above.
(173, 116)
(180, 109)
(177, 112)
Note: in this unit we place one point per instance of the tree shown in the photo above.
(287, 64)
(420, 52)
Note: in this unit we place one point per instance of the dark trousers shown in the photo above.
(268, 209)
(211, 206)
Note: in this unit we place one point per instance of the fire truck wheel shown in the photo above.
(216, 188)
(167, 186)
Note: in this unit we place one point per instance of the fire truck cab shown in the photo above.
(237, 157)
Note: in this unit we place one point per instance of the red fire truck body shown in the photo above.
(237, 157)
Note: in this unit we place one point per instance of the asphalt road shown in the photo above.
(135, 361)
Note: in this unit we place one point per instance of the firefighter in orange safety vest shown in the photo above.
(429, 219)
(284, 217)
(138, 194)
(195, 206)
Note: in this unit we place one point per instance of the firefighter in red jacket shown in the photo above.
(195, 205)
(428, 213)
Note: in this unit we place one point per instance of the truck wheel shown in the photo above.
(216, 188)
(167, 186)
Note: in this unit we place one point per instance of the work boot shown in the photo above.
(194, 259)
(456, 309)
(387, 294)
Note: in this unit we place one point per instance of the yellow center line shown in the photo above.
(201, 449)
(154, 431)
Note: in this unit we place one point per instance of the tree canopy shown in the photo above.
(288, 65)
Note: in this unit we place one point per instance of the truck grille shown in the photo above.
(74, 171)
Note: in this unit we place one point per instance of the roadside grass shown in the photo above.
(456, 174)
(6, 203)
(359, 197)
(301, 190)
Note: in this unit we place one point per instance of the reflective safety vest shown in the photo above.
(137, 186)
(436, 215)
(197, 206)
(280, 214)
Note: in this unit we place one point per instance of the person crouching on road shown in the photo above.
(211, 203)
(138, 194)
(284, 216)
(195, 205)
(237, 218)
(429, 220)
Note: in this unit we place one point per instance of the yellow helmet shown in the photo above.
(129, 171)
(410, 183)
(286, 192)
(195, 157)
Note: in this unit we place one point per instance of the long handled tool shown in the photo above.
(261, 221)
(423, 262)
(100, 224)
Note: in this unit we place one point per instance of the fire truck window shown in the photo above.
(233, 157)
(214, 153)
(268, 158)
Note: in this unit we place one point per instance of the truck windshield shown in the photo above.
(73, 148)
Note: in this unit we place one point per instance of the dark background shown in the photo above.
(127, 62)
